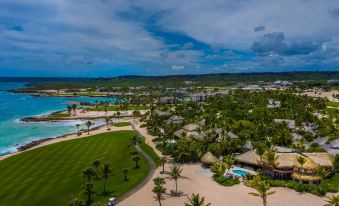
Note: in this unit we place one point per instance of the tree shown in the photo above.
(125, 171)
(74, 108)
(322, 172)
(269, 159)
(108, 120)
(88, 125)
(301, 160)
(332, 200)
(77, 126)
(76, 202)
(229, 161)
(219, 169)
(196, 200)
(136, 159)
(158, 188)
(175, 174)
(88, 190)
(88, 174)
(262, 191)
(69, 109)
(162, 162)
(106, 171)
(96, 165)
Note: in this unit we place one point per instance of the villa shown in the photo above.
(168, 100)
(198, 97)
(273, 103)
(175, 119)
(287, 166)
(188, 130)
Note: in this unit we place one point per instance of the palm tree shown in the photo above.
(125, 171)
(262, 191)
(229, 161)
(74, 108)
(88, 190)
(301, 160)
(76, 202)
(88, 125)
(195, 200)
(96, 165)
(269, 159)
(77, 126)
(159, 189)
(136, 159)
(175, 174)
(106, 171)
(332, 200)
(69, 109)
(162, 162)
(108, 120)
(88, 174)
(322, 173)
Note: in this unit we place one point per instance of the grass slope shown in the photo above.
(51, 174)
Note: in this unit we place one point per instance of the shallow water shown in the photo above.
(13, 107)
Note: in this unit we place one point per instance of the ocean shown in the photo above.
(13, 107)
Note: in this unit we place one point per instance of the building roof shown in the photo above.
(305, 177)
(209, 159)
(335, 144)
(232, 135)
(190, 127)
(287, 160)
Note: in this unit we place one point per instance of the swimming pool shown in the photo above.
(239, 172)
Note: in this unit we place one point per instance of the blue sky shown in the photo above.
(152, 37)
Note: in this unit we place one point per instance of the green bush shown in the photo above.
(222, 180)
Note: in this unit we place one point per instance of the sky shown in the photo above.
(89, 38)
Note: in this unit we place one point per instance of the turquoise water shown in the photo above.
(16, 106)
(240, 172)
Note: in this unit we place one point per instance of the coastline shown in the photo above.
(70, 136)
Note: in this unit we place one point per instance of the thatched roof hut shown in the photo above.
(305, 178)
(209, 159)
(308, 165)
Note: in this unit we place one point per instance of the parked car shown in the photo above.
(112, 201)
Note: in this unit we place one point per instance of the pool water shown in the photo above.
(240, 172)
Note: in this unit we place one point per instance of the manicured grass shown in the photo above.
(149, 150)
(332, 104)
(121, 124)
(50, 175)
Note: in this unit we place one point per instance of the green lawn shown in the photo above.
(50, 175)
(121, 124)
(332, 104)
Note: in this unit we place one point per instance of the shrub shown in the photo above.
(222, 180)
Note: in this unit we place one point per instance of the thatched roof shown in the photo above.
(321, 158)
(180, 133)
(308, 165)
(232, 135)
(190, 127)
(209, 159)
(287, 160)
(305, 177)
(290, 123)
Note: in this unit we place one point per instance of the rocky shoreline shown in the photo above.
(35, 143)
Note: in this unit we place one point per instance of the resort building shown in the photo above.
(273, 103)
(198, 97)
(209, 159)
(168, 100)
(188, 130)
(175, 119)
(287, 166)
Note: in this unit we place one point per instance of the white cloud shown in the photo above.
(177, 67)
